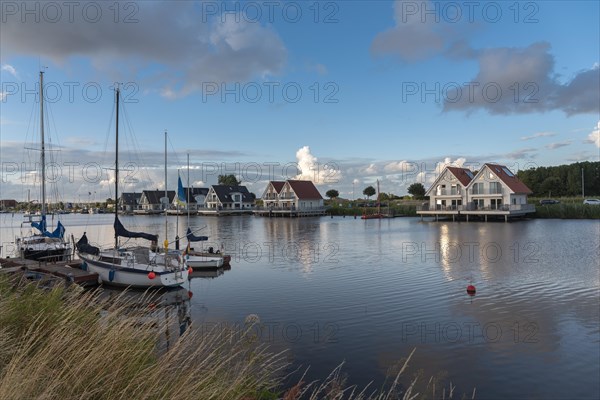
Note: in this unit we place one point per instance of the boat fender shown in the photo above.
(111, 275)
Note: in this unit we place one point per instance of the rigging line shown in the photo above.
(135, 144)
(178, 163)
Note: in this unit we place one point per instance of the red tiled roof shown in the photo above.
(509, 178)
(464, 175)
(305, 189)
(278, 185)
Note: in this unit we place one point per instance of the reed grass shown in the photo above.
(62, 344)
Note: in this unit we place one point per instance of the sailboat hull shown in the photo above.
(201, 261)
(134, 275)
(49, 255)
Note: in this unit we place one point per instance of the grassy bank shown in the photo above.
(63, 345)
(396, 207)
(568, 208)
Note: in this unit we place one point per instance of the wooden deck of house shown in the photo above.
(275, 212)
(458, 212)
(69, 271)
(223, 212)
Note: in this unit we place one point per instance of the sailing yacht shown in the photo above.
(140, 267)
(196, 259)
(43, 245)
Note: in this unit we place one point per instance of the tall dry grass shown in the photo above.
(61, 344)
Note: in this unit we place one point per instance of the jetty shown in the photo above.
(70, 271)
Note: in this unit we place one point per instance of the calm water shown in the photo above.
(368, 292)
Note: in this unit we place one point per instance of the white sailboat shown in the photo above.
(45, 245)
(195, 259)
(139, 267)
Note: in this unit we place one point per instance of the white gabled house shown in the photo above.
(226, 197)
(449, 189)
(195, 198)
(495, 187)
(270, 196)
(292, 195)
(494, 190)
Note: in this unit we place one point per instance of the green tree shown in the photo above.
(332, 194)
(417, 190)
(230, 180)
(369, 191)
(551, 185)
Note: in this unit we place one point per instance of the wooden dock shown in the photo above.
(69, 271)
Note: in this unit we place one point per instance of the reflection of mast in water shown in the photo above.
(154, 309)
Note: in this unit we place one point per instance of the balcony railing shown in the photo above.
(475, 207)
(448, 192)
(475, 191)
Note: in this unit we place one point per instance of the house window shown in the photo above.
(478, 203)
(478, 188)
(495, 188)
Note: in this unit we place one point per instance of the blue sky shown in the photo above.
(382, 84)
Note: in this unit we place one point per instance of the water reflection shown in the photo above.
(167, 311)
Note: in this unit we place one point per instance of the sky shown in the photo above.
(343, 93)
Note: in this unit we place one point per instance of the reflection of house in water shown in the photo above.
(494, 191)
(293, 242)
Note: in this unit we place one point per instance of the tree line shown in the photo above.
(563, 180)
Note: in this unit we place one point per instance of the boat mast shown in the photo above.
(187, 200)
(166, 198)
(43, 158)
(117, 165)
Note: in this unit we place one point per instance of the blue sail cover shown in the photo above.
(41, 226)
(193, 238)
(122, 232)
(59, 232)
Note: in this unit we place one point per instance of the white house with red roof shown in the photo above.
(292, 195)
(270, 196)
(494, 190)
(449, 189)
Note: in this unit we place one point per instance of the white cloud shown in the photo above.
(372, 169)
(594, 137)
(310, 169)
(557, 145)
(399, 166)
(412, 38)
(10, 69)
(428, 177)
(184, 46)
(538, 135)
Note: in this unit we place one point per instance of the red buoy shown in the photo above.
(471, 290)
(151, 275)
(190, 270)
(190, 294)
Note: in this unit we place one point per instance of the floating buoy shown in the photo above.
(151, 275)
(471, 290)
(190, 294)
(190, 270)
